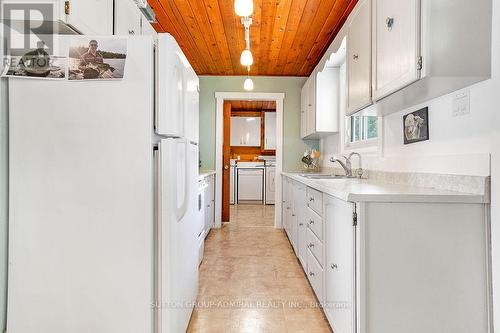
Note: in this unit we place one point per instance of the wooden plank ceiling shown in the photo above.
(288, 37)
(253, 105)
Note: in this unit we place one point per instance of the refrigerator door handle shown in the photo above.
(181, 211)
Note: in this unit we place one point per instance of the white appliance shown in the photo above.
(103, 227)
(202, 207)
(250, 180)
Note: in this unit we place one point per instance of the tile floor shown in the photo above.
(251, 281)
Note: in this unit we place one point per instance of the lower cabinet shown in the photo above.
(339, 264)
(392, 267)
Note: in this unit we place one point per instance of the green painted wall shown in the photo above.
(293, 145)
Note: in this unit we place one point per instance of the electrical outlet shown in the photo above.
(461, 103)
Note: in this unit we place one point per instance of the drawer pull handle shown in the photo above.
(334, 266)
(301, 224)
(311, 273)
(293, 215)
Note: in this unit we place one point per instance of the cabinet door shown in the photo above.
(146, 28)
(245, 131)
(293, 215)
(127, 18)
(286, 204)
(339, 265)
(396, 27)
(270, 131)
(359, 60)
(91, 17)
(303, 111)
(311, 104)
(301, 211)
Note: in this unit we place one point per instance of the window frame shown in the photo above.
(372, 145)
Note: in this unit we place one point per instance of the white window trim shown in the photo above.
(366, 147)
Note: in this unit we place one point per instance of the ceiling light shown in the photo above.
(243, 7)
(246, 58)
(248, 84)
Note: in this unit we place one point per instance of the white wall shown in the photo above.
(459, 145)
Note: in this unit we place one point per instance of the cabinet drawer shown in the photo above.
(315, 200)
(315, 246)
(315, 223)
(315, 275)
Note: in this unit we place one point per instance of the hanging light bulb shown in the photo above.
(248, 84)
(246, 58)
(243, 7)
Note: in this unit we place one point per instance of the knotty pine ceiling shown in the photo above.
(253, 105)
(287, 37)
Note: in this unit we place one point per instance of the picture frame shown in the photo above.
(416, 126)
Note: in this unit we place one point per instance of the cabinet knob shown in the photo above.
(311, 222)
(131, 32)
(311, 199)
(311, 245)
(293, 215)
(389, 21)
(334, 266)
(301, 224)
(355, 57)
(311, 273)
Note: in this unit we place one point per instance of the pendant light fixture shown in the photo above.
(248, 84)
(246, 57)
(243, 8)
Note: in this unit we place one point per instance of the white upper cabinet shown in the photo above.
(359, 59)
(311, 105)
(147, 28)
(396, 46)
(130, 21)
(319, 104)
(270, 131)
(245, 131)
(128, 18)
(303, 110)
(90, 17)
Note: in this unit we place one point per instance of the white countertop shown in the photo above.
(202, 174)
(364, 190)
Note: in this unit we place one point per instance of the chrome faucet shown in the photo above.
(347, 166)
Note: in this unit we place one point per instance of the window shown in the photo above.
(361, 129)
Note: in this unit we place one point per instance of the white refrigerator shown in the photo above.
(103, 198)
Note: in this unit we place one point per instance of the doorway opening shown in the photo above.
(249, 148)
(249, 138)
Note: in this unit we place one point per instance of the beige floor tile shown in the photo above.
(251, 280)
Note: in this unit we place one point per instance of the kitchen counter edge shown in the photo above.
(364, 190)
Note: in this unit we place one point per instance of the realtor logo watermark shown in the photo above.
(32, 48)
(26, 24)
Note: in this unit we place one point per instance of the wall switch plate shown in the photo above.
(461, 103)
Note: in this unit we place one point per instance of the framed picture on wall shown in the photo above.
(416, 126)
